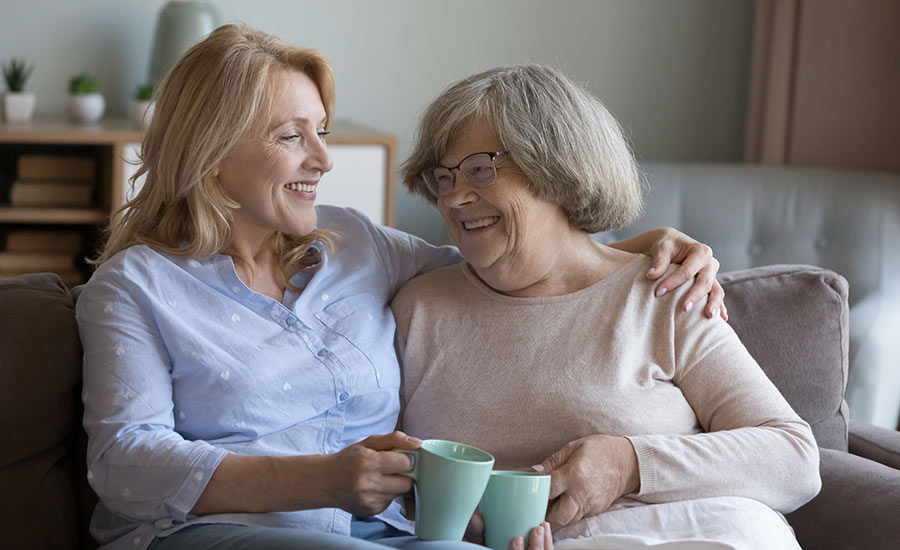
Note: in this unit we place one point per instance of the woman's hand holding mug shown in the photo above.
(365, 477)
(587, 475)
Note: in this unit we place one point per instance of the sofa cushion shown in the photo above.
(856, 508)
(40, 411)
(794, 320)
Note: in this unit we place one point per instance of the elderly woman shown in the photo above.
(545, 348)
(239, 371)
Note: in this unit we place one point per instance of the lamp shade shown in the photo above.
(179, 26)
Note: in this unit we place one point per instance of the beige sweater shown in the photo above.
(520, 377)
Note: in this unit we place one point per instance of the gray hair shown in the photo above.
(563, 139)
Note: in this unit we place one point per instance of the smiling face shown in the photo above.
(274, 176)
(508, 235)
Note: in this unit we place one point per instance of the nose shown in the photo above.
(318, 158)
(462, 193)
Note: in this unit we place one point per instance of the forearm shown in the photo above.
(261, 484)
(777, 466)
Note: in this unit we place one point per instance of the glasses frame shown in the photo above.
(453, 169)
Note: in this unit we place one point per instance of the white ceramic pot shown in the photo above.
(18, 106)
(141, 113)
(86, 108)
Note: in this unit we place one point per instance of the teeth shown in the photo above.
(293, 186)
(483, 222)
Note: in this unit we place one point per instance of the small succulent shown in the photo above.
(144, 92)
(83, 84)
(16, 73)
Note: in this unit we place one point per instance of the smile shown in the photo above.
(305, 187)
(483, 222)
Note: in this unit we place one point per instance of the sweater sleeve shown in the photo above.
(139, 466)
(752, 443)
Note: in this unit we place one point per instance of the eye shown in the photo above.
(323, 133)
(290, 137)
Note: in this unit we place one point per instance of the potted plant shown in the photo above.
(86, 103)
(142, 105)
(18, 105)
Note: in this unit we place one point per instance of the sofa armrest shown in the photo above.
(875, 443)
(856, 508)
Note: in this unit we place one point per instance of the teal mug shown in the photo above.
(450, 479)
(513, 503)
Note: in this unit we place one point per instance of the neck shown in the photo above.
(563, 266)
(256, 265)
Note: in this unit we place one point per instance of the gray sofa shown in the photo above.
(848, 222)
(793, 319)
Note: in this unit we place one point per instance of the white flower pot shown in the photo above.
(86, 108)
(141, 113)
(18, 106)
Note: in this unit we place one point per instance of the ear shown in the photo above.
(215, 172)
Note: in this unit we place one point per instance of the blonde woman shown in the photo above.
(240, 382)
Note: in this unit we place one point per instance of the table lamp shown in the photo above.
(180, 25)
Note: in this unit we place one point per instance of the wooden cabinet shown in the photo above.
(362, 178)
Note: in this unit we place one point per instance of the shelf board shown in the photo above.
(18, 214)
(59, 130)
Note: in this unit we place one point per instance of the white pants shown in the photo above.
(721, 523)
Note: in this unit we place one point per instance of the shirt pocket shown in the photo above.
(368, 327)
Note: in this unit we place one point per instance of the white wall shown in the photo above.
(675, 72)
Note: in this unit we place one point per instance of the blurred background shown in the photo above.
(676, 74)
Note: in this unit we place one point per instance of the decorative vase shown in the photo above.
(141, 112)
(179, 26)
(86, 108)
(18, 106)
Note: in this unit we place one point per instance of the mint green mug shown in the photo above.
(449, 480)
(513, 503)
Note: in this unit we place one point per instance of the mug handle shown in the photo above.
(413, 459)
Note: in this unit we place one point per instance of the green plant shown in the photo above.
(83, 84)
(144, 92)
(16, 73)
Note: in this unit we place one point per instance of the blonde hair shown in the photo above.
(219, 92)
(564, 141)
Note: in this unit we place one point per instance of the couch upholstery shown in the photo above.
(848, 222)
(792, 318)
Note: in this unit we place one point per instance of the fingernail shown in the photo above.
(652, 269)
(660, 292)
(689, 306)
(538, 467)
(415, 440)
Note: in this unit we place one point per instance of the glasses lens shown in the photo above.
(479, 169)
(439, 180)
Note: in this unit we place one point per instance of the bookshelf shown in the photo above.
(363, 176)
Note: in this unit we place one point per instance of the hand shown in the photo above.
(587, 475)
(364, 478)
(540, 538)
(475, 529)
(696, 260)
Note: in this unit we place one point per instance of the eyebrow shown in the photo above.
(301, 120)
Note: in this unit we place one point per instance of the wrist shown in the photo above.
(631, 467)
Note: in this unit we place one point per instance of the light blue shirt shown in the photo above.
(183, 364)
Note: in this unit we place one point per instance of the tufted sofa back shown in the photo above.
(848, 222)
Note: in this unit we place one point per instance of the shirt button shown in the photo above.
(291, 321)
(344, 396)
(323, 352)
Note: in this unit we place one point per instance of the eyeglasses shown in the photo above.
(478, 168)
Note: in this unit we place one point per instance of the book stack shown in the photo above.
(42, 251)
(54, 181)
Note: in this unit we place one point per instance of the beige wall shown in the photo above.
(674, 72)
